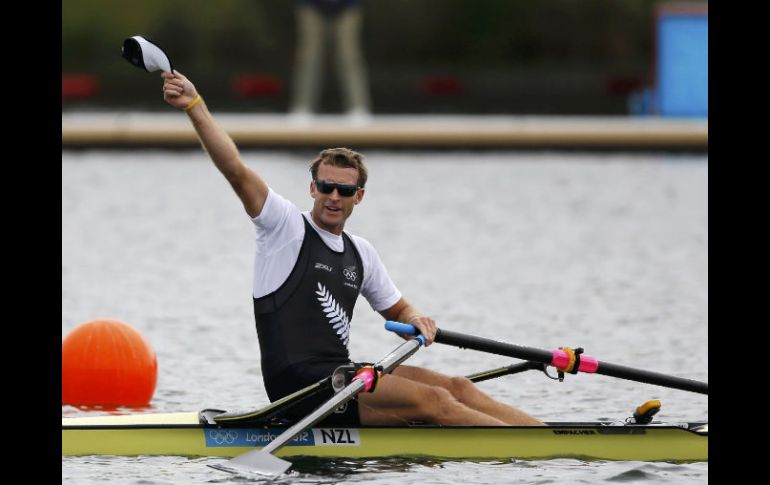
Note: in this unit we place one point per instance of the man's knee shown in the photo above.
(462, 387)
(438, 394)
(437, 402)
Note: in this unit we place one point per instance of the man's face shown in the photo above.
(330, 211)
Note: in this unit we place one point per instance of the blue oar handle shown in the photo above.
(404, 329)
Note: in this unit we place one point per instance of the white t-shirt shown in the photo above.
(280, 231)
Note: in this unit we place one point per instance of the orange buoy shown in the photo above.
(107, 362)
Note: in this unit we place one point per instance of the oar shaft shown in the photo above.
(403, 352)
(588, 363)
(492, 346)
(350, 391)
(556, 358)
(387, 363)
(650, 377)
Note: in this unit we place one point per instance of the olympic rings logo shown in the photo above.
(222, 437)
(350, 273)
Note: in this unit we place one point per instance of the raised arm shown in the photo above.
(179, 92)
(405, 312)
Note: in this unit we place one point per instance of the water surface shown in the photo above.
(604, 251)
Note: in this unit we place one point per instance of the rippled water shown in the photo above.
(604, 251)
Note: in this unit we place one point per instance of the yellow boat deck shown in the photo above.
(181, 434)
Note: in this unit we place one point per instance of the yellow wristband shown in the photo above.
(193, 103)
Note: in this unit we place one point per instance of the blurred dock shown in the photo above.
(173, 130)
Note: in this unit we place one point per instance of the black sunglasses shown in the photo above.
(345, 190)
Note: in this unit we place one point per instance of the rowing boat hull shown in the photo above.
(182, 434)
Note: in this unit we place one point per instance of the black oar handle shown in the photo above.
(555, 358)
(476, 343)
(493, 346)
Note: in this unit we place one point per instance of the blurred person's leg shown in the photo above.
(308, 67)
(351, 69)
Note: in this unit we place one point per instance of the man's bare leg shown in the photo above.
(467, 393)
(398, 400)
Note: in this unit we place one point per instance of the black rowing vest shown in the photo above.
(305, 323)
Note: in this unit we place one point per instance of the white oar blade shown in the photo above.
(255, 462)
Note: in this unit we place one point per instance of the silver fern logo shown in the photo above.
(336, 315)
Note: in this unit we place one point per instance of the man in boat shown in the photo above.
(308, 275)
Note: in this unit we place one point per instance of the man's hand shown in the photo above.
(426, 326)
(404, 312)
(178, 91)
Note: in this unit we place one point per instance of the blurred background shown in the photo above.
(553, 57)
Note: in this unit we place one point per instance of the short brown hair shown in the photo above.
(341, 157)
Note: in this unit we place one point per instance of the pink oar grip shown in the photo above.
(587, 363)
(365, 375)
